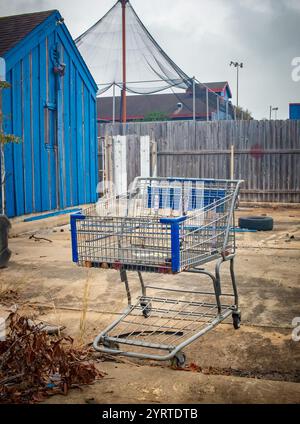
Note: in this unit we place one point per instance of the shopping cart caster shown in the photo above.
(179, 360)
(236, 317)
(110, 345)
(146, 309)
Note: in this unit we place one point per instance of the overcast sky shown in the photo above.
(203, 36)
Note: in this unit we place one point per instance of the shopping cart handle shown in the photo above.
(173, 220)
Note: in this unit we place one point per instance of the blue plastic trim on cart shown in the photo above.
(167, 196)
(75, 217)
(172, 221)
(175, 239)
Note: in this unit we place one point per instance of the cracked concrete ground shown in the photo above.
(260, 363)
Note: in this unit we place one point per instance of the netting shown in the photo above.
(149, 69)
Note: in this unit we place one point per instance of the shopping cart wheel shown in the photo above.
(236, 317)
(111, 345)
(179, 360)
(146, 309)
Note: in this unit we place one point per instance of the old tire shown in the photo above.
(259, 223)
(5, 253)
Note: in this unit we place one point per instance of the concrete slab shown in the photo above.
(268, 268)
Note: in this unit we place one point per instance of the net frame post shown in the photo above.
(73, 221)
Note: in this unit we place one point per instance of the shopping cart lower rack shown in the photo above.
(167, 226)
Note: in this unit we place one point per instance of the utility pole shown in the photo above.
(237, 65)
(124, 100)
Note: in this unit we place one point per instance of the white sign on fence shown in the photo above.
(145, 156)
(120, 164)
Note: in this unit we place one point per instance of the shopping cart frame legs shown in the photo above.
(107, 344)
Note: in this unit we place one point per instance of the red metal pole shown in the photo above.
(124, 100)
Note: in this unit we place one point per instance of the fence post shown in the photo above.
(207, 105)
(153, 158)
(145, 156)
(232, 163)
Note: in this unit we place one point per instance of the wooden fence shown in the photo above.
(266, 154)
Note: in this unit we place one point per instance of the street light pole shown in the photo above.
(237, 65)
(275, 109)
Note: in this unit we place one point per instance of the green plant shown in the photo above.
(243, 114)
(4, 139)
(155, 116)
(4, 84)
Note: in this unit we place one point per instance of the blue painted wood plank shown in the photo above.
(44, 170)
(27, 146)
(8, 151)
(17, 130)
(96, 165)
(52, 150)
(94, 150)
(73, 141)
(87, 149)
(66, 129)
(61, 158)
(79, 118)
(35, 129)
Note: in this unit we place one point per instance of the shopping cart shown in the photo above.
(167, 226)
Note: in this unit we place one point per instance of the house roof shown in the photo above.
(140, 106)
(14, 28)
(216, 86)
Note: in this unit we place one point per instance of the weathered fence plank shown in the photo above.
(267, 153)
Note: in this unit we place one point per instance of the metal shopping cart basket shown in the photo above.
(167, 226)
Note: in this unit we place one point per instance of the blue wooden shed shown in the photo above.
(51, 106)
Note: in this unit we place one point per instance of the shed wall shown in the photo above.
(55, 165)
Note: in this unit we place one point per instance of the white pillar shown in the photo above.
(145, 156)
(120, 164)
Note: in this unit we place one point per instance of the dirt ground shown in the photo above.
(260, 363)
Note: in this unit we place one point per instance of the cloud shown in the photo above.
(202, 37)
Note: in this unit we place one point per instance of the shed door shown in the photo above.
(50, 125)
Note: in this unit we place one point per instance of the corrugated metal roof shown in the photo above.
(14, 28)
